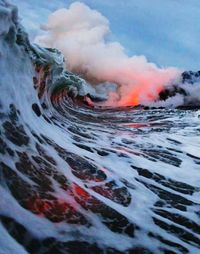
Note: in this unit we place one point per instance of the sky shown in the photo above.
(167, 32)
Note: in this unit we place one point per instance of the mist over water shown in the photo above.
(80, 33)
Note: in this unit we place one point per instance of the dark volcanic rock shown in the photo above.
(170, 92)
(183, 88)
(190, 77)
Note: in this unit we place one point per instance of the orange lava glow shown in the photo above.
(139, 94)
(139, 85)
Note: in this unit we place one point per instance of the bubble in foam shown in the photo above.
(80, 33)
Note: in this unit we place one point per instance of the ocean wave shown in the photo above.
(79, 178)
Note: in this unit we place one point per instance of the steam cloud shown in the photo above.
(80, 34)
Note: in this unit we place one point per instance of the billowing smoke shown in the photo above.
(80, 33)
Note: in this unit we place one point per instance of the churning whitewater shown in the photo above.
(78, 177)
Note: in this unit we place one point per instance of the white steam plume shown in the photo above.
(80, 34)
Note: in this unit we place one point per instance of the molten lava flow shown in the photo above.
(140, 94)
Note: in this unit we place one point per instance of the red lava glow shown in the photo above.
(81, 193)
(140, 86)
(41, 206)
(133, 99)
(142, 93)
(38, 205)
